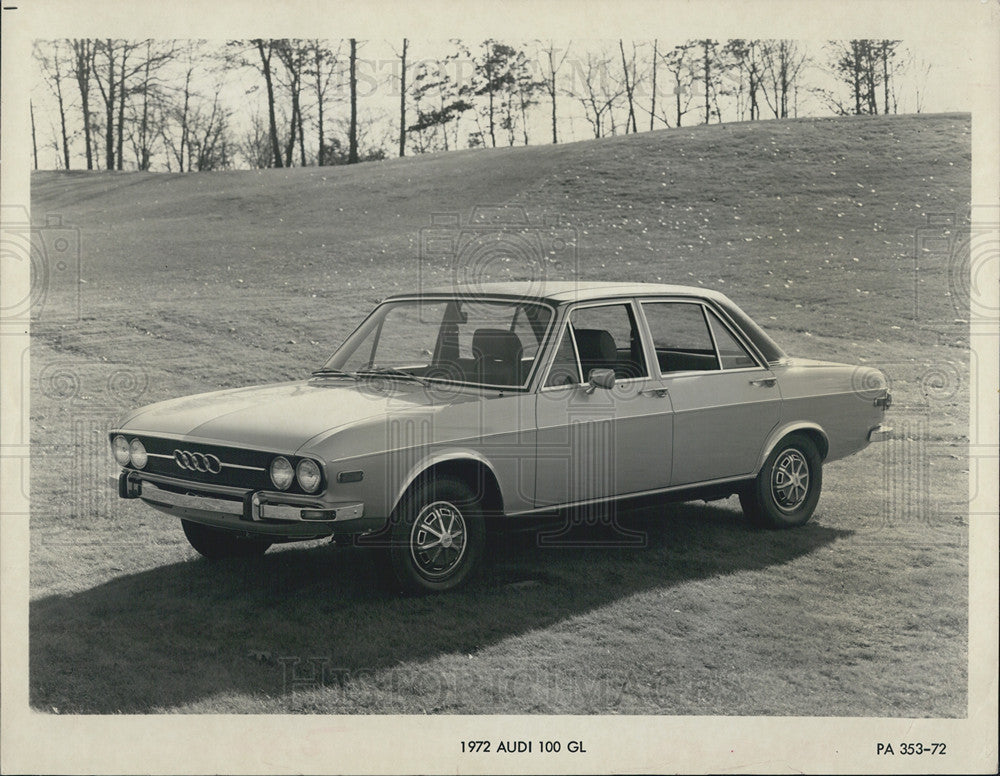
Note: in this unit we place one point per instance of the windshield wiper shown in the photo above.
(392, 372)
(333, 373)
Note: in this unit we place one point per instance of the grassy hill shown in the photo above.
(818, 212)
(846, 238)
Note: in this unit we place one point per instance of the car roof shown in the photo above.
(563, 291)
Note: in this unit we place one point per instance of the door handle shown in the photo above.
(659, 393)
(764, 382)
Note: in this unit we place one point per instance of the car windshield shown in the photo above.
(473, 341)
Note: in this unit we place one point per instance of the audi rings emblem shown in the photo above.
(197, 462)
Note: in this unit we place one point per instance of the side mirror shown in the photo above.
(601, 378)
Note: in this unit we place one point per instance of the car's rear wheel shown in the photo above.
(216, 544)
(438, 533)
(786, 490)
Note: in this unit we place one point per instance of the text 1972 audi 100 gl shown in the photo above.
(446, 407)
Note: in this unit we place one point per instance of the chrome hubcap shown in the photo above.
(790, 480)
(438, 539)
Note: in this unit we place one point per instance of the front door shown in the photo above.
(595, 444)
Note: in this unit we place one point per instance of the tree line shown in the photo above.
(190, 105)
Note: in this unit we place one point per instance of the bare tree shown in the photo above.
(438, 102)
(147, 101)
(599, 93)
(629, 83)
(352, 134)
(652, 98)
(34, 138)
(783, 61)
(920, 70)
(262, 61)
(255, 145)
(295, 57)
(859, 65)
(50, 56)
(105, 75)
(679, 62)
(554, 62)
(402, 100)
(745, 58)
(83, 63)
(175, 128)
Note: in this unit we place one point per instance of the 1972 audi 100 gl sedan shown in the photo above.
(448, 407)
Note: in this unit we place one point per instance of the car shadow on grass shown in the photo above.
(192, 631)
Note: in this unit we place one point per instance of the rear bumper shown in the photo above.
(262, 513)
(879, 433)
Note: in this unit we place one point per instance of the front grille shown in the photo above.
(240, 468)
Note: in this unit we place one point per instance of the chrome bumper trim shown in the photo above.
(261, 506)
(185, 500)
(880, 433)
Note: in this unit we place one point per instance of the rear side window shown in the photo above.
(731, 353)
(680, 336)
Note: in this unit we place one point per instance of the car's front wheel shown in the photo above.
(216, 544)
(786, 490)
(438, 534)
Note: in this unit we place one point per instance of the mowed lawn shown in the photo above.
(846, 238)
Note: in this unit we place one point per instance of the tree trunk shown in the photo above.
(143, 156)
(302, 140)
(34, 141)
(320, 158)
(856, 51)
(184, 123)
(552, 92)
(652, 107)
(82, 50)
(121, 110)
(273, 125)
(708, 70)
(489, 85)
(62, 116)
(352, 153)
(293, 125)
(677, 94)
(402, 102)
(885, 75)
(628, 90)
(109, 110)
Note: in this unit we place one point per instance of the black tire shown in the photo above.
(216, 544)
(786, 490)
(437, 533)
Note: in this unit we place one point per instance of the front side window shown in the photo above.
(565, 369)
(480, 342)
(606, 337)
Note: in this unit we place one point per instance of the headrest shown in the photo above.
(497, 345)
(596, 345)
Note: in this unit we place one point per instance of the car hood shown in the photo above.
(280, 417)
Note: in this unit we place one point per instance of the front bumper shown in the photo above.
(264, 513)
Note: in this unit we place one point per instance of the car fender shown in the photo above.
(459, 454)
(781, 432)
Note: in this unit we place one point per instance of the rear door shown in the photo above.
(725, 400)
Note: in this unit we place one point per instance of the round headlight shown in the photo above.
(308, 475)
(138, 453)
(119, 448)
(282, 473)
